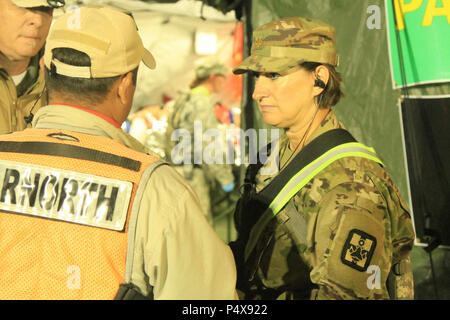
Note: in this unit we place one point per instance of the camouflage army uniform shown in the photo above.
(197, 106)
(351, 196)
(341, 234)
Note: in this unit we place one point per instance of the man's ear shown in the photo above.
(126, 88)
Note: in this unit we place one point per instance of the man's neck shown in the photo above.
(14, 67)
(101, 110)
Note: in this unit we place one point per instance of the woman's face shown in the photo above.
(286, 100)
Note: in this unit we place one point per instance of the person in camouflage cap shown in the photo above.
(197, 105)
(204, 68)
(338, 229)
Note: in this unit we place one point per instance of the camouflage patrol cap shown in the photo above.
(206, 67)
(284, 43)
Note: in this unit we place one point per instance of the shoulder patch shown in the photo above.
(358, 250)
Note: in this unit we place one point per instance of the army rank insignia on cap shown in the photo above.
(358, 250)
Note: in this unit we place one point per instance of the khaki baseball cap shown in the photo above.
(108, 36)
(284, 43)
(39, 3)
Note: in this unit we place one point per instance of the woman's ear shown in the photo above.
(321, 75)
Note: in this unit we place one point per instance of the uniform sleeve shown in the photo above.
(352, 239)
(182, 257)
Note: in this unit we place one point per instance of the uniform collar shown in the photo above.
(329, 123)
(30, 77)
(74, 119)
(32, 74)
(96, 113)
(285, 154)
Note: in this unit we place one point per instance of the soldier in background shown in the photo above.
(23, 31)
(197, 107)
(330, 223)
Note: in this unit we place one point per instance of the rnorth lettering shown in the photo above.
(64, 195)
(50, 192)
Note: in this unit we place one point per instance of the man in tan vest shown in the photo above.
(84, 210)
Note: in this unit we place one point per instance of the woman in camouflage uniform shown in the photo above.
(338, 229)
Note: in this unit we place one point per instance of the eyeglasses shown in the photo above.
(56, 3)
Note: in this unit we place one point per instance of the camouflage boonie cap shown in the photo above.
(206, 67)
(284, 43)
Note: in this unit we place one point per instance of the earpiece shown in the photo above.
(319, 83)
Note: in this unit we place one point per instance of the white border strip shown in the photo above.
(445, 96)
(424, 82)
(389, 42)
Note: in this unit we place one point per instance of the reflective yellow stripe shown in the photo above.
(300, 179)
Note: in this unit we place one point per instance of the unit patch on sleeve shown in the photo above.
(358, 250)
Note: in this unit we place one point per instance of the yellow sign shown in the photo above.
(432, 10)
(418, 33)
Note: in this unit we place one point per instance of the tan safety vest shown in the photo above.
(68, 206)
